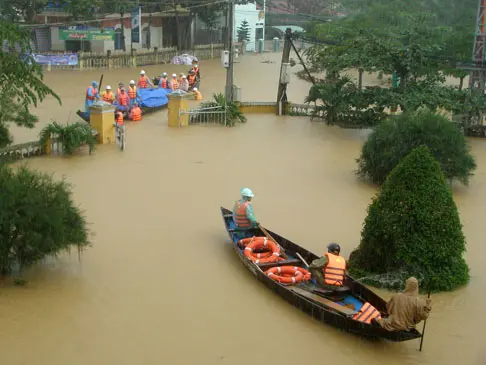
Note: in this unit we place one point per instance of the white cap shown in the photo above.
(174, 75)
(164, 74)
(132, 82)
(194, 88)
(184, 76)
(108, 87)
(142, 72)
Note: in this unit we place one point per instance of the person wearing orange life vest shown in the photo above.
(144, 81)
(174, 85)
(329, 271)
(164, 83)
(197, 94)
(132, 93)
(91, 95)
(243, 215)
(118, 117)
(108, 96)
(123, 101)
(135, 113)
(192, 79)
(121, 85)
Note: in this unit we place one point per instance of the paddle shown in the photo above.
(99, 85)
(269, 237)
(423, 329)
(300, 257)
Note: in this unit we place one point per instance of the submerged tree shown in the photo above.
(393, 139)
(37, 218)
(413, 229)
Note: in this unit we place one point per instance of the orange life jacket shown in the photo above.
(136, 114)
(119, 118)
(240, 215)
(108, 96)
(132, 92)
(175, 84)
(142, 82)
(335, 270)
(191, 79)
(367, 313)
(123, 99)
(163, 83)
(94, 92)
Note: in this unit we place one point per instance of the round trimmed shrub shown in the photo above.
(393, 139)
(37, 218)
(413, 229)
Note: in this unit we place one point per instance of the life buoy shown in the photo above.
(288, 274)
(254, 247)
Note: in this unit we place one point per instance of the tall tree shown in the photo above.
(243, 31)
(21, 85)
(13, 10)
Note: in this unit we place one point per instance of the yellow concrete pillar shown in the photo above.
(178, 102)
(102, 119)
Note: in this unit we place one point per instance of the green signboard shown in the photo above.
(87, 35)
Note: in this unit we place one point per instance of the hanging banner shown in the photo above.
(94, 34)
(70, 59)
(136, 21)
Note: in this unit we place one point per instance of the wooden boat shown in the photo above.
(312, 299)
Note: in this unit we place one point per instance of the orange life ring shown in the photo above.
(259, 244)
(288, 274)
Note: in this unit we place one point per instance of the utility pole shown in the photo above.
(282, 86)
(229, 71)
(477, 78)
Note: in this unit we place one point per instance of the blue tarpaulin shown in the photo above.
(153, 98)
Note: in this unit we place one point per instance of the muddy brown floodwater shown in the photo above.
(161, 284)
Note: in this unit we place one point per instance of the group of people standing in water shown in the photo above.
(125, 99)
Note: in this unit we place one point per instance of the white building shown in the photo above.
(256, 20)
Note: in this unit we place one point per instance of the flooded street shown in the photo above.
(162, 285)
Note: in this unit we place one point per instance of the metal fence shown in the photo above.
(210, 115)
(134, 58)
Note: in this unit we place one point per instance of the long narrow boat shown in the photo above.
(312, 299)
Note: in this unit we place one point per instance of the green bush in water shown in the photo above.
(395, 138)
(70, 136)
(233, 113)
(37, 218)
(413, 229)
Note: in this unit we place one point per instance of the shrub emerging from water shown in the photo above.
(233, 113)
(70, 136)
(413, 229)
(37, 218)
(393, 139)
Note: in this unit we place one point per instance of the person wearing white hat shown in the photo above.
(164, 83)
(243, 214)
(174, 84)
(144, 81)
(184, 83)
(132, 93)
(197, 94)
(108, 96)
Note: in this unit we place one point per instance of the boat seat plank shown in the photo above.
(328, 303)
(267, 265)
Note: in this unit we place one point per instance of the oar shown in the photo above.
(99, 85)
(300, 257)
(269, 237)
(423, 329)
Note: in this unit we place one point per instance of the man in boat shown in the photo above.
(108, 96)
(123, 101)
(135, 113)
(406, 309)
(91, 95)
(164, 83)
(243, 215)
(329, 271)
(132, 93)
(192, 79)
